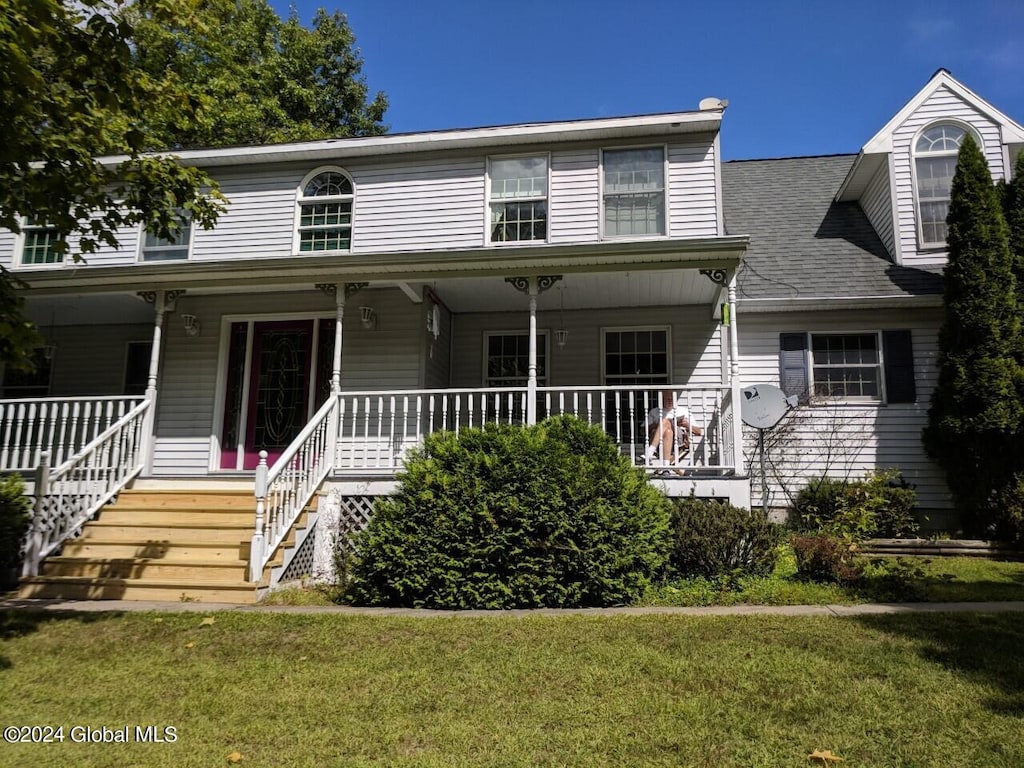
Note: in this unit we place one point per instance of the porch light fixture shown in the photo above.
(48, 352)
(368, 317)
(434, 321)
(191, 324)
(561, 335)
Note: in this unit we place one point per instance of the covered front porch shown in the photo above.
(295, 384)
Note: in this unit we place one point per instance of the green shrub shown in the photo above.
(880, 505)
(514, 517)
(825, 559)
(717, 540)
(15, 513)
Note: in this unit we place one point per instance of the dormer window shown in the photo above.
(325, 212)
(935, 156)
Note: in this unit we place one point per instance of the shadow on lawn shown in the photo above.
(21, 622)
(984, 648)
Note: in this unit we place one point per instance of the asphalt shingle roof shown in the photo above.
(804, 245)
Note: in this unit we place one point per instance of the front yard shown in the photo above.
(314, 690)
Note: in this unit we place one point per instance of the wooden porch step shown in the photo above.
(144, 569)
(169, 531)
(152, 549)
(85, 588)
(213, 499)
(157, 544)
(120, 514)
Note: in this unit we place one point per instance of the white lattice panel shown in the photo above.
(355, 516)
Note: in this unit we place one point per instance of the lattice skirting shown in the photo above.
(302, 563)
(354, 516)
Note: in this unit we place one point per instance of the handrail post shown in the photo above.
(258, 539)
(35, 534)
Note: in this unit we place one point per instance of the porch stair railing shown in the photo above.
(286, 488)
(68, 496)
(62, 426)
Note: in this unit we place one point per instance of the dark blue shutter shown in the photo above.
(898, 351)
(793, 377)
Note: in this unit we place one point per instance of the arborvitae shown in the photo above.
(976, 410)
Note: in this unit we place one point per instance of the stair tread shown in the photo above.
(106, 580)
(85, 559)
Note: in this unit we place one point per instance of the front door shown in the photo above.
(276, 379)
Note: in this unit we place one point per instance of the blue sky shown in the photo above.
(802, 78)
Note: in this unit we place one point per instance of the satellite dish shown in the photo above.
(762, 406)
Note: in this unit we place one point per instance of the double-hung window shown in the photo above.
(846, 365)
(518, 199)
(935, 154)
(634, 192)
(634, 356)
(39, 244)
(174, 248)
(508, 359)
(34, 383)
(325, 213)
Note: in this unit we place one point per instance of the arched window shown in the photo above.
(325, 212)
(935, 163)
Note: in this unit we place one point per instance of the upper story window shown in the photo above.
(935, 156)
(634, 192)
(325, 213)
(156, 248)
(39, 244)
(519, 199)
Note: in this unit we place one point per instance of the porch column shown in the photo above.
(339, 317)
(531, 375)
(532, 287)
(163, 302)
(734, 379)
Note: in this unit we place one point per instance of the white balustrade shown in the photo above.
(69, 495)
(61, 426)
(284, 490)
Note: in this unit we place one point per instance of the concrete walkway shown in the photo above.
(101, 606)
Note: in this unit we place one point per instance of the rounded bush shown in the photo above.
(513, 517)
(881, 505)
(713, 539)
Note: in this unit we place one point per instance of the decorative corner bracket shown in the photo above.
(330, 289)
(351, 289)
(717, 276)
(170, 297)
(522, 284)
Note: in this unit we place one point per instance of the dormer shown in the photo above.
(902, 176)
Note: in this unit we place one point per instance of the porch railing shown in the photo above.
(71, 494)
(377, 428)
(60, 426)
(284, 490)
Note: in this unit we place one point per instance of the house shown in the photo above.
(360, 293)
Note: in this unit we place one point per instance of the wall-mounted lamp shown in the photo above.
(434, 321)
(191, 324)
(368, 317)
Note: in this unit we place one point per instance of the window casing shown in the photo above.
(39, 244)
(636, 356)
(634, 192)
(935, 155)
(518, 191)
(156, 248)
(325, 213)
(847, 366)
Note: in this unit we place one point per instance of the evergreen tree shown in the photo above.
(976, 412)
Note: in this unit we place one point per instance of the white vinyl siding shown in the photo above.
(575, 208)
(90, 358)
(695, 356)
(841, 438)
(385, 358)
(877, 205)
(420, 205)
(943, 105)
(260, 220)
(692, 189)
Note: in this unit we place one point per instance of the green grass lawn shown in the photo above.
(335, 690)
(937, 580)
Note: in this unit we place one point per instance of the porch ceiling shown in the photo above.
(583, 291)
